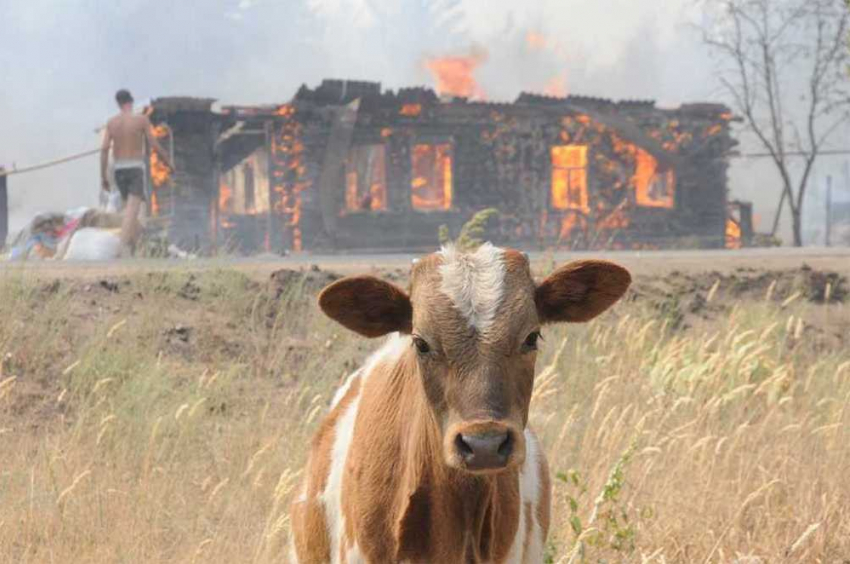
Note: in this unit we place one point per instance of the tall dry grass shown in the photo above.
(728, 443)
(711, 444)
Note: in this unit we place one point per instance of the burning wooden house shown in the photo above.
(348, 165)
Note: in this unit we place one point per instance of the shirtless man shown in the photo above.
(126, 134)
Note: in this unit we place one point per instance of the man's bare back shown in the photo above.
(128, 133)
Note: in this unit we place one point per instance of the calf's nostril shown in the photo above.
(507, 446)
(485, 451)
(462, 447)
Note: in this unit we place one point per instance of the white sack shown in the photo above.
(91, 243)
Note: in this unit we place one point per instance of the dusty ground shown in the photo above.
(159, 412)
(194, 327)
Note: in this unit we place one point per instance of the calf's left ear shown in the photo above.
(367, 305)
(579, 291)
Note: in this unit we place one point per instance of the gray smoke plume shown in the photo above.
(63, 61)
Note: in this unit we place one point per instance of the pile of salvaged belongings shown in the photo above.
(78, 234)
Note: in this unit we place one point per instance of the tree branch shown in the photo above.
(766, 41)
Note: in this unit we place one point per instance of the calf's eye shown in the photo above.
(421, 345)
(530, 343)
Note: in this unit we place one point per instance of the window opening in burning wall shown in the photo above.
(244, 189)
(569, 178)
(365, 178)
(431, 184)
(653, 188)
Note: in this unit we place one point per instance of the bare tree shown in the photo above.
(783, 62)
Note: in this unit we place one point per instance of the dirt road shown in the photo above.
(639, 262)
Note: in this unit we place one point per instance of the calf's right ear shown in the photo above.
(581, 290)
(368, 306)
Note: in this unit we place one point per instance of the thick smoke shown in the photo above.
(63, 61)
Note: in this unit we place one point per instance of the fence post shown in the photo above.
(828, 234)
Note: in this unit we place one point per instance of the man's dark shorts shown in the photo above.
(131, 181)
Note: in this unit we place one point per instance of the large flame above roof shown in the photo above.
(454, 75)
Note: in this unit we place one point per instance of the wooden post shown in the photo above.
(332, 175)
(828, 235)
(267, 245)
(4, 210)
(745, 222)
(215, 211)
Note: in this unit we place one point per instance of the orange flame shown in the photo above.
(652, 189)
(536, 41)
(617, 219)
(431, 187)
(378, 192)
(444, 157)
(411, 110)
(289, 175)
(225, 197)
(557, 86)
(713, 130)
(285, 110)
(352, 202)
(160, 173)
(365, 178)
(160, 131)
(225, 204)
(569, 178)
(154, 203)
(454, 74)
(570, 222)
(733, 234)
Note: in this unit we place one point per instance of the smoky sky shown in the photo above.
(61, 63)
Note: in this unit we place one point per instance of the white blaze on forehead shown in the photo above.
(474, 282)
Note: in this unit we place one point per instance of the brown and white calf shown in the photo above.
(426, 455)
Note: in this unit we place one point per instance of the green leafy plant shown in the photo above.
(472, 233)
(609, 526)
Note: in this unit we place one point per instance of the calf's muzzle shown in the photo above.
(485, 451)
(484, 446)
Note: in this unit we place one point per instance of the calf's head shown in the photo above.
(475, 321)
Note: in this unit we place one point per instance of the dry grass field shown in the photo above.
(165, 417)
